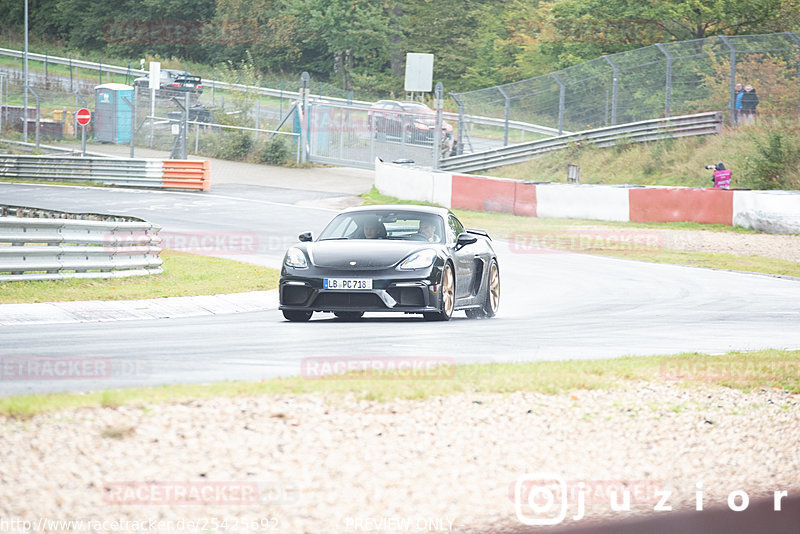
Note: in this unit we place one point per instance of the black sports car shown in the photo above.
(411, 259)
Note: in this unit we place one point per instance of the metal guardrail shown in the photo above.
(40, 244)
(266, 91)
(636, 132)
(178, 174)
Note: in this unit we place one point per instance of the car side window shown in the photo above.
(455, 228)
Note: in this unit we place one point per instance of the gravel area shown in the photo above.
(335, 464)
(784, 247)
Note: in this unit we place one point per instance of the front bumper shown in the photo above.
(408, 295)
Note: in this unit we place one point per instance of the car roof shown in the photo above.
(434, 210)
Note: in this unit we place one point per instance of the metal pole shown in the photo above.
(152, 114)
(258, 114)
(25, 91)
(83, 140)
(460, 133)
(614, 89)
(70, 73)
(135, 117)
(437, 131)
(2, 109)
(668, 88)
(185, 146)
(508, 105)
(304, 112)
(100, 71)
(561, 97)
(196, 136)
(45, 67)
(133, 122)
(732, 83)
(794, 38)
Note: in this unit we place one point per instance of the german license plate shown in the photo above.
(347, 283)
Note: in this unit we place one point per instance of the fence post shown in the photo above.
(100, 71)
(70, 73)
(304, 112)
(668, 97)
(46, 80)
(732, 84)
(796, 41)
(614, 89)
(460, 134)
(437, 130)
(562, 91)
(508, 106)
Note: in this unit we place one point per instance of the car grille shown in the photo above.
(408, 296)
(295, 295)
(354, 300)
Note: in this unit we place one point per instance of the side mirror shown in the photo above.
(306, 236)
(465, 239)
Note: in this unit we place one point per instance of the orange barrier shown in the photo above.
(185, 174)
(706, 206)
(525, 199)
(482, 193)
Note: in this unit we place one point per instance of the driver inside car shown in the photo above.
(427, 231)
(374, 229)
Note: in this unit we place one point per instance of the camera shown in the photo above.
(711, 167)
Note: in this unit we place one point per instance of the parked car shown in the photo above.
(394, 258)
(167, 78)
(413, 122)
(186, 83)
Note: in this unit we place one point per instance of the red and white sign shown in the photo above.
(83, 116)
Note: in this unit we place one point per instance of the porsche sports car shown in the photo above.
(404, 258)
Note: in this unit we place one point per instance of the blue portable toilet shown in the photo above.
(112, 115)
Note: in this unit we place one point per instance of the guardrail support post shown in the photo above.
(304, 116)
(614, 90)
(562, 92)
(732, 82)
(460, 139)
(507, 110)
(668, 87)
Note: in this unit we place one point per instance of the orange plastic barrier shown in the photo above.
(483, 194)
(185, 174)
(706, 206)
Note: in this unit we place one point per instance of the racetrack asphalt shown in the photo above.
(554, 305)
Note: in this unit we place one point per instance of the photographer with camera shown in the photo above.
(722, 176)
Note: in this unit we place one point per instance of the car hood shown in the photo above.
(367, 253)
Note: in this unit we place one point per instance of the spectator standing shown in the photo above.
(737, 110)
(749, 103)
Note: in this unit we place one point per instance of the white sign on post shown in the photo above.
(155, 74)
(419, 73)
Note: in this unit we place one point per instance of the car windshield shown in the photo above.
(385, 224)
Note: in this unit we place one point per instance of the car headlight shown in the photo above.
(295, 258)
(418, 260)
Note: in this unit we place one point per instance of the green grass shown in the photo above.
(745, 371)
(672, 162)
(184, 275)
(597, 237)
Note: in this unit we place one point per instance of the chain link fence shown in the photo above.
(661, 80)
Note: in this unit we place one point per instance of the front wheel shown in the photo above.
(448, 290)
(492, 300)
(297, 316)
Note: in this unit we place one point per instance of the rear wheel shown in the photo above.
(492, 300)
(297, 316)
(448, 290)
(349, 316)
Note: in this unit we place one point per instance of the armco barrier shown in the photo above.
(706, 206)
(40, 244)
(176, 174)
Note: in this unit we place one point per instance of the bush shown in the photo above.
(774, 163)
(234, 146)
(274, 152)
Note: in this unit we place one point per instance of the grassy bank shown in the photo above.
(741, 370)
(765, 155)
(184, 275)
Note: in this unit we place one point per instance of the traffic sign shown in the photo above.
(83, 116)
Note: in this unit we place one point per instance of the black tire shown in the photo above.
(448, 290)
(491, 300)
(297, 316)
(349, 316)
